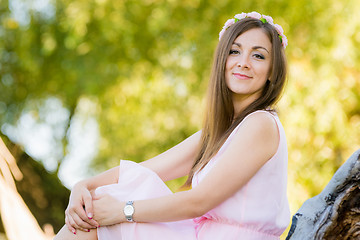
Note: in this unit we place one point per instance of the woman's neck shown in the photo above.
(241, 103)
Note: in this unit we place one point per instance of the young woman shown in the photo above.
(237, 163)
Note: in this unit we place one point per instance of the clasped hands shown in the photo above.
(87, 211)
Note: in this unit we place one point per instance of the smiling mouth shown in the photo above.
(241, 76)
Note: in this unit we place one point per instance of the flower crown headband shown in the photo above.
(262, 18)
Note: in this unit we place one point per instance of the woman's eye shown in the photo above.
(259, 56)
(234, 52)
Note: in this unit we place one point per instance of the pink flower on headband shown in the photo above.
(279, 29)
(284, 41)
(229, 23)
(268, 19)
(254, 15)
(240, 16)
(262, 18)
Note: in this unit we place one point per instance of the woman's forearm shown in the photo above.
(174, 207)
(110, 176)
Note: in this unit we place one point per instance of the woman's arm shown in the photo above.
(255, 142)
(110, 176)
(175, 162)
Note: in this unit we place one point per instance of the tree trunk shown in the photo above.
(335, 213)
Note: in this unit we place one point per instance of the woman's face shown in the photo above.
(248, 65)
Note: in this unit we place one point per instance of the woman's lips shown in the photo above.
(241, 76)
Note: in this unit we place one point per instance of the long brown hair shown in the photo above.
(220, 119)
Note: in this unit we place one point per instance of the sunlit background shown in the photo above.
(86, 83)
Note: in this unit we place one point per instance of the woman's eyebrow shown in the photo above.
(257, 47)
(254, 47)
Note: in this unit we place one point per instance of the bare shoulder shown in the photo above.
(263, 121)
(261, 131)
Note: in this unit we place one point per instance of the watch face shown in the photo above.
(128, 210)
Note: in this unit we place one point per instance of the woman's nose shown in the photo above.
(242, 62)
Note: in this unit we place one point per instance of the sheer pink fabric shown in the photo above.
(259, 210)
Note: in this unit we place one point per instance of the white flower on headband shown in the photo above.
(262, 18)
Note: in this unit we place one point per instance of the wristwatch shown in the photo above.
(129, 211)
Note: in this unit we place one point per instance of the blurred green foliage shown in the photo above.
(140, 68)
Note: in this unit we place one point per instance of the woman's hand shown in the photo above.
(108, 210)
(79, 212)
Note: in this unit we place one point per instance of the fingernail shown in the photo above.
(98, 226)
(74, 232)
(88, 230)
(90, 215)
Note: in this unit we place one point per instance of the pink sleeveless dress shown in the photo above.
(259, 210)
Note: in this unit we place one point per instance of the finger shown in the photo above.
(88, 206)
(69, 226)
(90, 214)
(80, 212)
(67, 223)
(75, 227)
(80, 224)
(92, 223)
(72, 223)
(80, 218)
